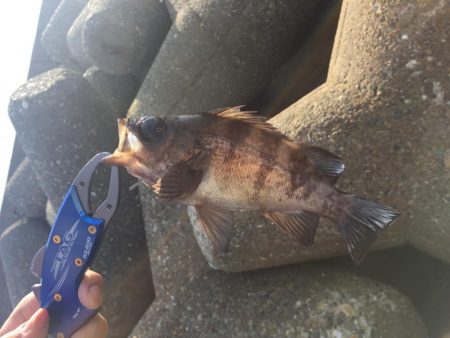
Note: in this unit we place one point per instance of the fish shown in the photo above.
(230, 159)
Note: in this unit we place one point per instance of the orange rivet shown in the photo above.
(56, 239)
(78, 262)
(92, 229)
(57, 297)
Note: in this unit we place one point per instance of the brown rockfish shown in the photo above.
(230, 159)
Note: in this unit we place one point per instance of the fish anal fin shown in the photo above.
(301, 225)
(182, 177)
(217, 225)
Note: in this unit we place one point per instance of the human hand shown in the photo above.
(28, 320)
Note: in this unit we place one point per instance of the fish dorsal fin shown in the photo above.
(328, 164)
(235, 113)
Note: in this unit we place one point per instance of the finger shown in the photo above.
(97, 327)
(22, 312)
(35, 327)
(90, 291)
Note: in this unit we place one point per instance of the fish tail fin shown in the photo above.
(360, 222)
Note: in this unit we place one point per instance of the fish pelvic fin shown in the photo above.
(361, 222)
(217, 225)
(300, 226)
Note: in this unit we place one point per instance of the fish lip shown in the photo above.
(116, 158)
(122, 126)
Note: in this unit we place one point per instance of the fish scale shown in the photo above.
(223, 179)
(223, 182)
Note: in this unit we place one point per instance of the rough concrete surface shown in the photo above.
(420, 277)
(305, 70)
(174, 6)
(209, 60)
(75, 40)
(120, 37)
(285, 302)
(6, 307)
(192, 300)
(53, 38)
(385, 111)
(18, 244)
(118, 91)
(23, 197)
(53, 115)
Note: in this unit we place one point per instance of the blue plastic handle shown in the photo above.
(71, 245)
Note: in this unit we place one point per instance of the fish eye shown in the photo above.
(151, 129)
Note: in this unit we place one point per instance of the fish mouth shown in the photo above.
(123, 132)
(123, 154)
(128, 150)
(117, 158)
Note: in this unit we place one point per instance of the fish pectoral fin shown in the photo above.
(217, 225)
(301, 225)
(179, 179)
(325, 162)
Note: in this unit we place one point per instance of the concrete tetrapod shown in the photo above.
(119, 37)
(209, 59)
(385, 111)
(192, 300)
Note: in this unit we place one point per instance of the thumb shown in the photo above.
(36, 326)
